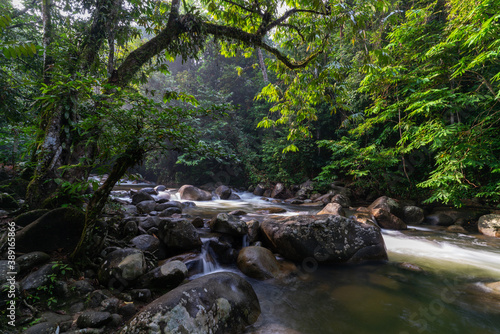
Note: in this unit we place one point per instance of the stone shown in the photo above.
(146, 206)
(253, 230)
(93, 319)
(325, 199)
(159, 188)
(271, 210)
(216, 303)
(5, 268)
(163, 196)
(8, 202)
(130, 210)
(387, 220)
(234, 197)
(178, 234)
(58, 229)
(26, 218)
(489, 225)
(149, 190)
(259, 190)
(170, 211)
(141, 197)
(413, 215)
(82, 287)
(278, 191)
(167, 276)
(38, 278)
(325, 238)
(28, 261)
(388, 204)
(229, 224)
(332, 209)
(146, 242)
(193, 193)
(456, 229)
(121, 267)
(294, 201)
(343, 200)
(257, 262)
(142, 295)
(42, 328)
(440, 219)
(149, 222)
(224, 192)
(169, 204)
(305, 189)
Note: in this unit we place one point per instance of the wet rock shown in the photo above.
(8, 202)
(224, 223)
(489, 225)
(216, 303)
(26, 218)
(170, 211)
(42, 328)
(258, 262)
(326, 238)
(234, 197)
(267, 193)
(142, 295)
(93, 319)
(237, 213)
(159, 188)
(163, 196)
(325, 199)
(149, 190)
(146, 242)
(141, 197)
(294, 201)
(259, 190)
(194, 194)
(28, 261)
(456, 229)
(253, 230)
(388, 204)
(167, 276)
(82, 287)
(58, 229)
(387, 220)
(364, 218)
(146, 206)
(413, 215)
(410, 267)
(149, 222)
(440, 219)
(332, 209)
(178, 234)
(38, 278)
(123, 266)
(305, 189)
(271, 210)
(5, 269)
(224, 192)
(198, 222)
(344, 201)
(169, 204)
(130, 210)
(273, 329)
(312, 204)
(280, 192)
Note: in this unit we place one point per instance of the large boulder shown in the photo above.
(26, 218)
(140, 196)
(192, 193)
(326, 238)
(343, 200)
(257, 262)
(167, 276)
(279, 191)
(413, 215)
(122, 267)
(224, 192)
(259, 190)
(58, 229)
(489, 225)
(219, 303)
(229, 224)
(305, 189)
(146, 242)
(388, 204)
(387, 220)
(178, 234)
(146, 206)
(332, 209)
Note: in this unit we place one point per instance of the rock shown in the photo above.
(163, 196)
(413, 215)
(279, 191)
(159, 188)
(294, 201)
(82, 287)
(169, 204)
(224, 192)
(253, 230)
(325, 199)
(388, 204)
(494, 286)
(456, 229)
(387, 220)
(364, 218)
(234, 197)
(229, 224)
(489, 225)
(258, 262)
(122, 266)
(42, 328)
(146, 242)
(5, 268)
(110, 305)
(38, 278)
(93, 319)
(30, 260)
(305, 189)
(149, 222)
(149, 190)
(332, 209)
(8, 202)
(129, 229)
(271, 210)
(440, 219)
(168, 276)
(142, 295)
(259, 190)
(410, 267)
(343, 200)
(141, 197)
(315, 197)
(194, 194)
(274, 329)
(127, 310)
(216, 303)
(170, 211)
(312, 204)
(178, 234)
(24, 219)
(267, 193)
(237, 213)
(58, 229)
(130, 210)
(146, 206)
(326, 238)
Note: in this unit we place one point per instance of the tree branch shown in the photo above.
(242, 7)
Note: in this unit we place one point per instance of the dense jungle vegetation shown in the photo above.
(392, 97)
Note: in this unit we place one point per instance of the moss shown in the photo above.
(27, 218)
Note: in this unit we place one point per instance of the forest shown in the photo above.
(364, 99)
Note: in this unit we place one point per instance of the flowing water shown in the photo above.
(448, 296)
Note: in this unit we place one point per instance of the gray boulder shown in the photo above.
(30, 260)
(178, 234)
(388, 204)
(229, 224)
(413, 215)
(440, 219)
(146, 242)
(193, 193)
(219, 303)
(332, 209)
(387, 220)
(59, 228)
(168, 276)
(343, 200)
(26, 218)
(489, 225)
(38, 278)
(224, 192)
(141, 197)
(122, 267)
(93, 319)
(258, 262)
(146, 206)
(325, 238)
(259, 190)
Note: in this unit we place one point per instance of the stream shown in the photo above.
(448, 296)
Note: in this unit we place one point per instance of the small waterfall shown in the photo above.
(208, 261)
(245, 242)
